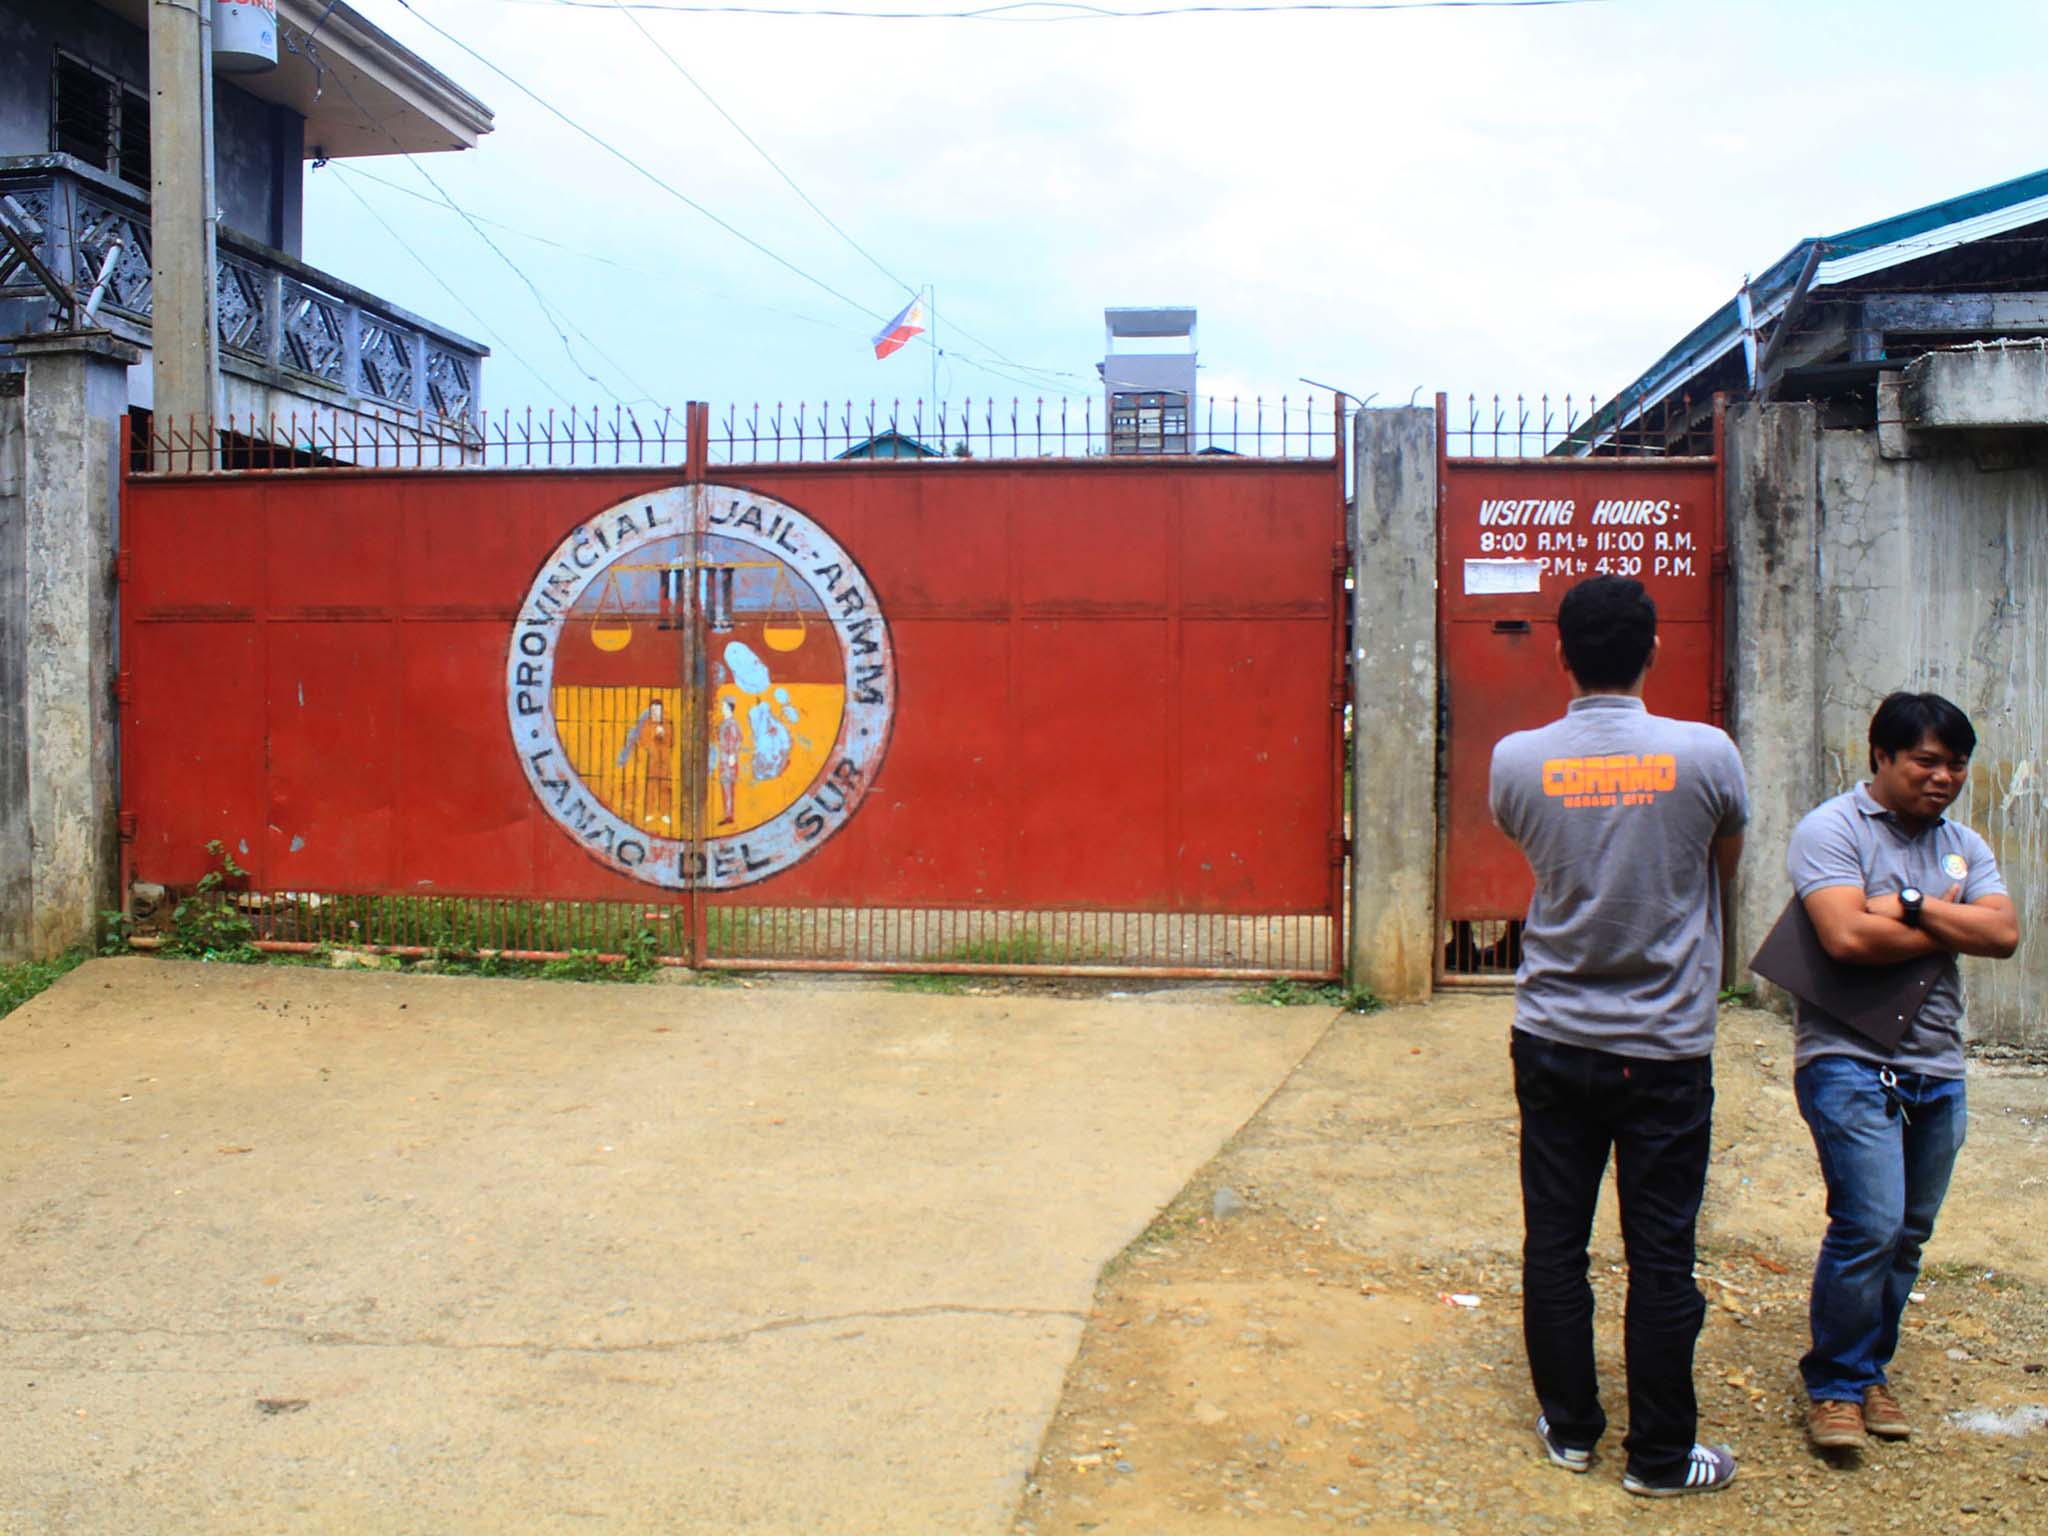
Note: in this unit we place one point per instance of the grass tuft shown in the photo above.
(940, 985)
(23, 980)
(1026, 948)
(1284, 992)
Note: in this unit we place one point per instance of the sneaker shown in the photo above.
(1883, 1416)
(1835, 1425)
(1570, 1457)
(1709, 1467)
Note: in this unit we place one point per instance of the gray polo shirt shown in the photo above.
(1853, 840)
(1615, 809)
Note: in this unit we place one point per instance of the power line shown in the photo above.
(619, 154)
(581, 253)
(510, 351)
(681, 196)
(555, 318)
(1027, 11)
(547, 311)
(356, 173)
(831, 223)
(755, 144)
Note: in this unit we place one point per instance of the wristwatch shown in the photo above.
(1910, 901)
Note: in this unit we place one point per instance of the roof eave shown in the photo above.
(1853, 253)
(396, 66)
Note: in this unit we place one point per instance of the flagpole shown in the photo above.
(931, 306)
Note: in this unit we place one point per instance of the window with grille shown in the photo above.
(1152, 422)
(99, 120)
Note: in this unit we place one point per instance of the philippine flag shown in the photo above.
(891, 337)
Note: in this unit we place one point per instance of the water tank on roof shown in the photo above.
(244, 36)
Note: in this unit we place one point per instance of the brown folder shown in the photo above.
(1879, 1002)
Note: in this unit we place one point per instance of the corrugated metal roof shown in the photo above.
(1853, 253)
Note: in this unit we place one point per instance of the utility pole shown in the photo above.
(184, 345)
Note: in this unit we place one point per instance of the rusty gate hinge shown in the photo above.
(123, 689)
(124, 824)
(1717, 563)
(1340, 559)
(1340, 847)
(124, 569)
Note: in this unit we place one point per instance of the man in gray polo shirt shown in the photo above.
(1632, 824)
(1887, 877)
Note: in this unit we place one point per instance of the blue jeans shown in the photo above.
(1886, 1160)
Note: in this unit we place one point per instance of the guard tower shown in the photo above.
(1148, 378)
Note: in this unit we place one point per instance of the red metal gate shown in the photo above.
(943, 715)
(1513, 535)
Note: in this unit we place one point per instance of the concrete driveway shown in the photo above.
(289, 1249)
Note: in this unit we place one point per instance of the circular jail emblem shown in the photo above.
(700, 684)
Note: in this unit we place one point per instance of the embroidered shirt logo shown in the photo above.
(1954, 865)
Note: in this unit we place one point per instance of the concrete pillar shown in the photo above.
(1773, 487)
(1394, 932)
(63, 718)
(184, 346)
(15, 861)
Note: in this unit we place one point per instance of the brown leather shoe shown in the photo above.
(1835, 1425)
(1883, 1416)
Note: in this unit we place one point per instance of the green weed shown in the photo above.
(1026, 948)
(1284, 992)
(23, 980)
(207, 924)
(937, 985)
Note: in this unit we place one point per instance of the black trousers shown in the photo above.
(1657, 1118)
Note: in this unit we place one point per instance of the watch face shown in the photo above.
(1911, 896)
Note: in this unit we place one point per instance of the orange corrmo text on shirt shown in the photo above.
(1623, 778)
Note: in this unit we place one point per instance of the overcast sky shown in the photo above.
(1460, 199)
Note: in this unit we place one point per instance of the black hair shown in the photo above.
(1608, 625)
(1904, 720)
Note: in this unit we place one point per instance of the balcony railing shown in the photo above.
(313, 333)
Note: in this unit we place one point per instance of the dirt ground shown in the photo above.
(1297, 1363)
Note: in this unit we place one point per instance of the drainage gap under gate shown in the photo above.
(1482, 951)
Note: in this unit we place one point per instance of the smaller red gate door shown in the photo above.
(1513, 537)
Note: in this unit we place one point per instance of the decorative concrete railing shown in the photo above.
(273, 311)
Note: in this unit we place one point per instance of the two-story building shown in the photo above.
(307, 369)
(297, 345)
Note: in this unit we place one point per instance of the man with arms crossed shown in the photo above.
(1631, 823)
(1887, 1124)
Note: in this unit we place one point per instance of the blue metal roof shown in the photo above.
(890, 445)
(1721, 332)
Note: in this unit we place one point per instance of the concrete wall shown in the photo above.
(1773, 490)
(59, 643)
(257, 166)
(1922, 573)
(15, 848)
(1394, 933)
(1934, 575)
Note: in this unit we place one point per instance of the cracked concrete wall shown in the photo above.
(1934, 575)
(1852, 575)
(75, 397)
(14, 839)
(1394, 706)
